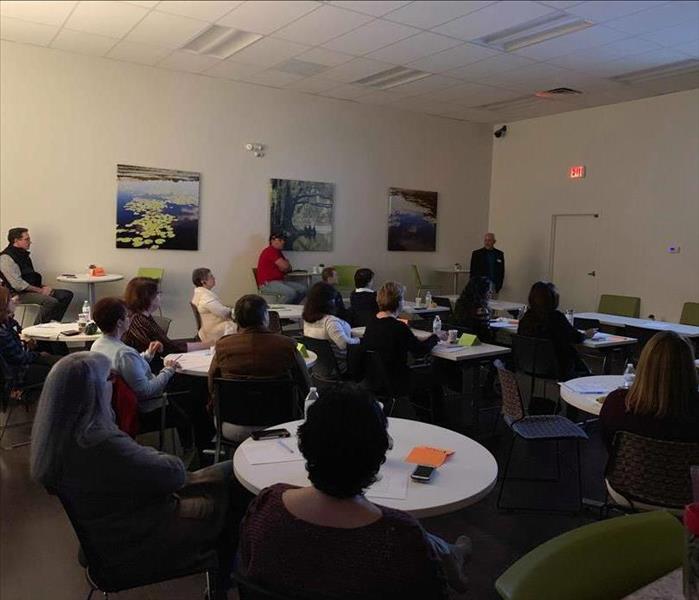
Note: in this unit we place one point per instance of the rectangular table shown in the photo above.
(618, 321)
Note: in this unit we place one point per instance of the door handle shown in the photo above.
(591, 273)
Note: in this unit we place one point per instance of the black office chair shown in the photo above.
(275, 323)
(326, 371)
(446, 303)
(255, 403)
(103, 579)
(249, 590)
(376, 379)
(22, 394)
(582, 323)
(536, 358)
(643, 336)
(197, 317)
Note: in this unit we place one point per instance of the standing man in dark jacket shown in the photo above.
(489, 262)
(17, 273)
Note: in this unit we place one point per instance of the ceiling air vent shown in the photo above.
(301, 67)
(391, 78)
(220, 42)
(557, 92)
(682, 67)
(536, 31)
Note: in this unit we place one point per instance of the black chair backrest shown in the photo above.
(255, 401)
(326, 366)
(197, 316)
(275, 323)
(535, 356)
(582, 323)
(642, 334)
(375, 375)
(445, 302)
(250, 590)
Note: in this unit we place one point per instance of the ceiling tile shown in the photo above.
(17, 30)
(136, 52)
(376, 97)
(346, 92)
(561, 5)
(453, 58)
(674, 36)
(370, 37)
(532, 78)
(691, 49)
(312, 85)
(38, 11)
(143, 3)
(108, 18)
(433, 83)
(598, 11)
(268, 52)
(427, 15)
(488, 67)
(356, 69)
(580, 40)
(161, 29)
(181, 60)
(229, 69)
(272, 78)
(455, 111)
(206, 10)
(659, 17)
(588, 59)
(413, 48)
(638, 62)
(370, 7)
(322, 56)
(473, 94)
(83, 43)
(493, 18)
(322, 25)
(266, 16)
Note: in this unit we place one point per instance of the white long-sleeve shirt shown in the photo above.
(337, 332)
(216, 317)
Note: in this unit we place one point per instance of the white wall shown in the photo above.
(642, 160)
(67, 120)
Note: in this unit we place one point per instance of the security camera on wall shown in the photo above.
(502, 132)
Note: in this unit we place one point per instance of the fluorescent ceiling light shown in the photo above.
(391, 78)
(536, 31)
(221, 42)
(682, 67)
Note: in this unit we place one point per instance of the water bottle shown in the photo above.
(310, 399)
(436, 325)
(428, 299)
(629, 376)
(86, 311)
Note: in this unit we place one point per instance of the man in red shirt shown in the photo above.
(271, 267)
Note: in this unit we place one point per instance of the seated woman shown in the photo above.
(142, 298)
(26, 365)
(142, 513)
(112, 318)
(471, 310)
(327, 539)
(393, 341)
(544, 320)
(216, 318)
(662, 402)
(320, 322)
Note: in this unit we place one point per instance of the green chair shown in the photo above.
(606, 560)
(345, 277)
(623, 306)
(690, 314)
(422, 284)
(152, 272)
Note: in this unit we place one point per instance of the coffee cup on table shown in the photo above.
(82, 322)
(452, 335)
(418, 302)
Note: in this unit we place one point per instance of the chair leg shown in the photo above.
(580, 496)
(211, 585)
(161, 437)
(504, 473)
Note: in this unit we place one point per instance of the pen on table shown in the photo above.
(283, 445)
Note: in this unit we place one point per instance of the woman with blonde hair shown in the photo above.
(662, 402)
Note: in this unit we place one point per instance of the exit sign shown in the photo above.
(577, 172)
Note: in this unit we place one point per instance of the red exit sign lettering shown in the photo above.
(577, 172)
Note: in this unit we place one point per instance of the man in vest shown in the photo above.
(17, 273)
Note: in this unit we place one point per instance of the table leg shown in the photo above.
(91, 294)
(456, 283)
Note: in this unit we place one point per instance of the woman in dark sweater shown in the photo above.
(328, 540)
(471, 310)
(663, 402)
(544, 320)
(142, 513)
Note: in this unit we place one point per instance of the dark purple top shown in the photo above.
(614, 417)
(390, 558)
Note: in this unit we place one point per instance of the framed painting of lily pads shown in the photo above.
(412, 220)
(157, 209)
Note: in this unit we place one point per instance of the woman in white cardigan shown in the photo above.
(216, 317)
(320, 322)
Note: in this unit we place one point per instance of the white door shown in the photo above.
(574, 261)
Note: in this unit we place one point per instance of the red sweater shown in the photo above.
(388, 559)
(266, 269)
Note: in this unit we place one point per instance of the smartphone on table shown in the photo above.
(269, 434)
(422, 474)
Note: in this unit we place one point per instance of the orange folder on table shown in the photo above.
(430, 457)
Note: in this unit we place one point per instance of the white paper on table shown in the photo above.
(590, 387)
(393, 484)
(272, 451)
(447, 347)
(49, 325)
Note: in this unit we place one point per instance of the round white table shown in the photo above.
(600, 386)
(466, 477)
(197, 363)
(90, 280)
(52, 332)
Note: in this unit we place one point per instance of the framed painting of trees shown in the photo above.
(303, 212)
